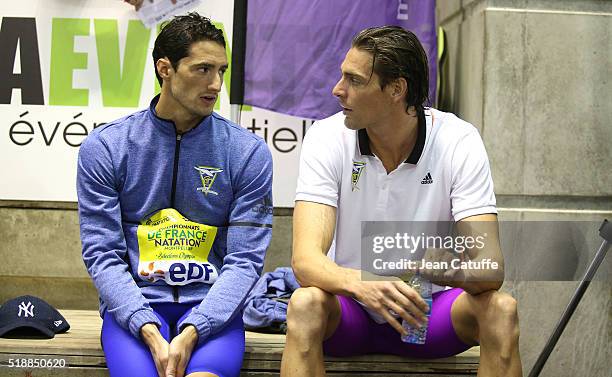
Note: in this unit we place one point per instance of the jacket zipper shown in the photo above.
(177, 152)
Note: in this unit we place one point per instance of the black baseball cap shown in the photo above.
(23, 314)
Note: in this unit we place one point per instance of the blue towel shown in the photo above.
(266, 305)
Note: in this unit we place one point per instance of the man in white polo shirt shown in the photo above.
(388, 158)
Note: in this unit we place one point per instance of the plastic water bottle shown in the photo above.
(417, 335)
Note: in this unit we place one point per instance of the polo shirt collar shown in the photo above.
(415, 155)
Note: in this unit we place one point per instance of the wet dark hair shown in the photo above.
(177, 36)
(397, 53)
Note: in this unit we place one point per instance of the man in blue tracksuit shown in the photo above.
(175, 211)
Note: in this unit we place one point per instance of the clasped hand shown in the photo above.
(170, 358)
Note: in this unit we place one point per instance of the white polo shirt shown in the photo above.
(445, 178)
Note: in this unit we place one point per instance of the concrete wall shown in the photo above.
(534, 77)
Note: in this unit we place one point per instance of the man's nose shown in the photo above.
(217, 82)
(338, 89)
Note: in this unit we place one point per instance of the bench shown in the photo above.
(80, 350)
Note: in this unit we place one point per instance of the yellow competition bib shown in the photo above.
(175, 250)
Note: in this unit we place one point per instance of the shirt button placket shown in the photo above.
(383, 194)
(386, 184)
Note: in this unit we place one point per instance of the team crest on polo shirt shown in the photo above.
(358, 167)
(208, 174)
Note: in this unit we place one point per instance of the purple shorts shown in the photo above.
(359, 334)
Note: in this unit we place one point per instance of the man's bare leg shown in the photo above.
(491, 320)
(313, 316)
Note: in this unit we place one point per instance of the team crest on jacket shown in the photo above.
(208, 174)
(358, 167)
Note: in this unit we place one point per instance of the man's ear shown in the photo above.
(164, 68)
(399, 89)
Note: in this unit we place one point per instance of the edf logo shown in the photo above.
(188, 272)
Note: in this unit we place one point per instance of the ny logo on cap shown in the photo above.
(27, 310)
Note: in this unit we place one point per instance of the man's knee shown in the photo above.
(504, 307)
(501, 317)
(309, 309)
(310, 302)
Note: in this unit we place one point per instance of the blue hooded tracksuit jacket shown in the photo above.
(135, 166)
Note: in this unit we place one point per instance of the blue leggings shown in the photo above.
(127, 356)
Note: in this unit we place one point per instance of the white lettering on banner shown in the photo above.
(402, 10)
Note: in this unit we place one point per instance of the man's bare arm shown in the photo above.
(313, 231)
(475, 281)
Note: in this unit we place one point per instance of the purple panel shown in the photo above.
(294, 48)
